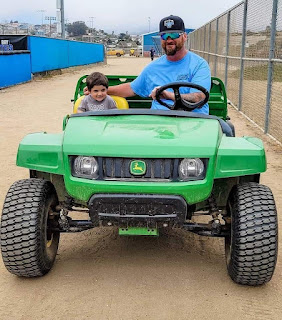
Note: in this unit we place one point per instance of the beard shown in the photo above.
(171, 51)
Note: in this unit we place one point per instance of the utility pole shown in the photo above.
(149, 20)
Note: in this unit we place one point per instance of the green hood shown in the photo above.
(141, 136)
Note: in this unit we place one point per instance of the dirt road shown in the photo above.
(98, 275)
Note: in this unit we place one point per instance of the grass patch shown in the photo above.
(259, 73)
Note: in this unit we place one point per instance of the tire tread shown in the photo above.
(255, 235)
(20, 226)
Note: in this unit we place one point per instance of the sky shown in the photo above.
(134, 17)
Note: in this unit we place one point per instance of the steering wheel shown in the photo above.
(180, 103)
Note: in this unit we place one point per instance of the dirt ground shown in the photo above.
(99, 275)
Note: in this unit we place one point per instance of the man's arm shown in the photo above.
(122, 90)
(191, 97)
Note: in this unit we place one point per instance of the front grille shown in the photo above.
(137, 208)
(119, 169)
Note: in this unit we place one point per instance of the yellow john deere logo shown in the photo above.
(137, 167)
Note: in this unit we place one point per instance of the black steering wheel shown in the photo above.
(180, 103)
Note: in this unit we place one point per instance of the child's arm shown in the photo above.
(83, 106)
(122, 90)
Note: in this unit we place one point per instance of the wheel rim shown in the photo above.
(51, 238)
(49, 242)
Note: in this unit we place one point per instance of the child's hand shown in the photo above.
(85, 91)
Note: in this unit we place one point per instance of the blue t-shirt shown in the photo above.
(191, 68)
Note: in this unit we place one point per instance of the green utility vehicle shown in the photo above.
(142, 170)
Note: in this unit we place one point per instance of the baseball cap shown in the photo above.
(172, 23)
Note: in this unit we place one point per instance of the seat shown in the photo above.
(120, 101)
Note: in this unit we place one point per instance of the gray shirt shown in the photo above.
(90, 104)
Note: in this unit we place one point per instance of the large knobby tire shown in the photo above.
(28, 247)
(231, 125)
(251, 248)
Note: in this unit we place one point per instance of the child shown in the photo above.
(97, 99)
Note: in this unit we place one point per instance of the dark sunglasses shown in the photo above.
(173, 35)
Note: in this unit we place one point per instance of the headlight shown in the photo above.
(85, 167)
(190, 169)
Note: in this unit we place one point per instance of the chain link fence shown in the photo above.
(8, 29)
(244, 48)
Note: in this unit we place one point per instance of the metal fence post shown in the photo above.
(205, 56)
(243, 55)
(270, 65)
(227, 49)
(216, 48)
(204, 38)
(209, 51)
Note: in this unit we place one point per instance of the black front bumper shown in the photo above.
(137, 210)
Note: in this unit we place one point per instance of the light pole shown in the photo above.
(50, 19)
(149, 20)
(92, 25)
(92, 18)
(42, 11)
(61, 18)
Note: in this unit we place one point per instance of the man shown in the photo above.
(152, 53)
(178, 64)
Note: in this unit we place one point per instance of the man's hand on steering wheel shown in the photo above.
(166, 95)
(179, 102)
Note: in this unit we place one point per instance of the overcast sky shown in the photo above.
(119, 15)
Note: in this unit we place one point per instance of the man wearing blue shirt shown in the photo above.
(178, 64)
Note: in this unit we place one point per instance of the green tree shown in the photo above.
(122, 36)
(77, 28)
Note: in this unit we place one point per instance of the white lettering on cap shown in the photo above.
(168, 23)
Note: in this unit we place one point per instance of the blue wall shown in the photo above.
(46, 54)
(50, 54)
(153, 40)
(85, 53)
(15, 68)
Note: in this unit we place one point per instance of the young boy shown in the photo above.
(97, 99)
